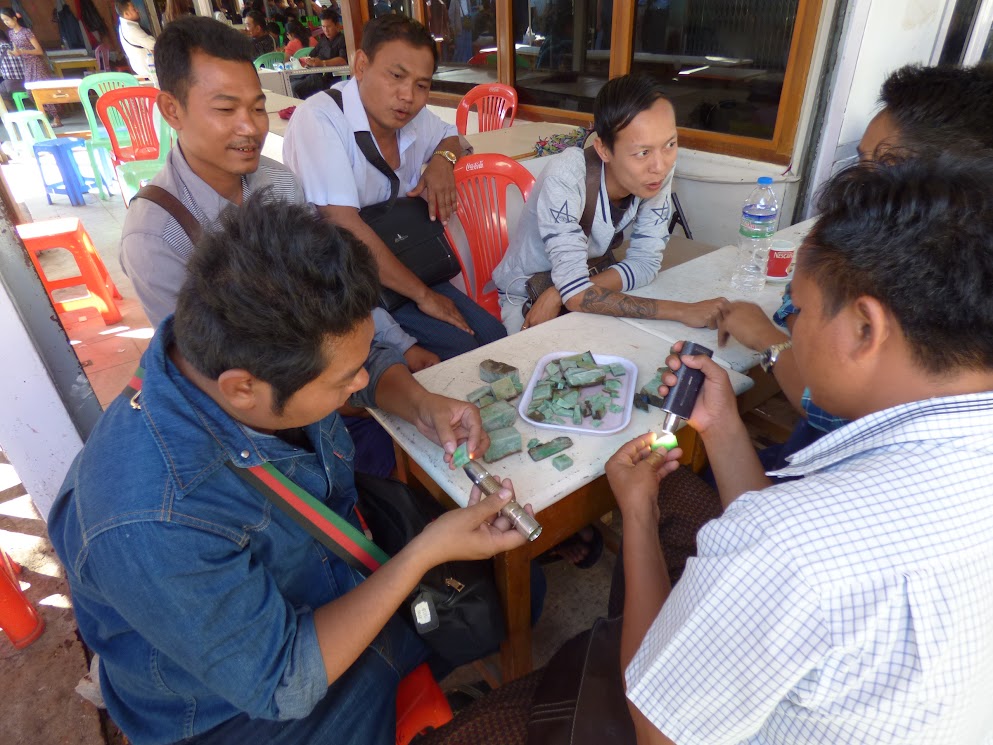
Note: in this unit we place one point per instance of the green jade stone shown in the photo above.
(598, 423)
(461, 456)
(491, 371)
(548, 449)
(485, 401)
(532, 442)
(577, 415)
(552, 369)
(503, 442)
(541, 392)
(498, 415)
(569, 398)
(580, 378)
(617, 369)
(568, 363)
(615, 409)
(504, 389)
(478, 394)
(665, 440)
(561, 462)
(614, 385)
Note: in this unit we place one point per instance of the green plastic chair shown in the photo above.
(19, 98)
(25, 128)
(98, 146)
(269, 59)
(305, 52)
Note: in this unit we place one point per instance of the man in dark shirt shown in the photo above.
(329, 51)
(261, 41)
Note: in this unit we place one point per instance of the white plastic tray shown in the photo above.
(612, 423)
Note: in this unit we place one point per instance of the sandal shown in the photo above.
(594, 549)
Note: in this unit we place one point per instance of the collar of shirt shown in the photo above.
(196, 436)
(202, 194)
(927, 422)
(358, 120)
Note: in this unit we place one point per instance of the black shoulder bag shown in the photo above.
(405, 226)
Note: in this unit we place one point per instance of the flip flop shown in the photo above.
(594, 549)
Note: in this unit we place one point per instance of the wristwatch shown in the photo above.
(447, 155)
(769, 357)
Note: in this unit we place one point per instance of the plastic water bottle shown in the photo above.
(758, 223)
(150, 61)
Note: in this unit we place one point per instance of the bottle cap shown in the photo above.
(765, 180)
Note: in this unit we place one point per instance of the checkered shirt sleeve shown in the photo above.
(785, 310)
(817, 417)
(11, 68)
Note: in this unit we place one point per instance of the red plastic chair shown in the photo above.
(135, 106)
(18, 618)
(482, 182)
(495, 102)
(421, 705)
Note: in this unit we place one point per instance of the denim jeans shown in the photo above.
(443, 338)
(359, 707)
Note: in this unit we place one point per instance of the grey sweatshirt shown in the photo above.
(548, 235)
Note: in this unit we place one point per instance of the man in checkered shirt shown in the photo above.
(854, 605)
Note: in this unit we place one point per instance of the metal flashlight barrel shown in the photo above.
(524, 523)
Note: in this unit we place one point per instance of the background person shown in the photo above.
(135, 41)
(255, 27)
(25, 46)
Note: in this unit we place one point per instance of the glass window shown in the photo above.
(562, 54)
(379, 8)
(723, 62)
(465, 34)
(958, 32)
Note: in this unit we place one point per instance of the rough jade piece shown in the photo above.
(503, 442)
(547, 449)
(491, 371)
(615, 409)
(577, 415)
(498, 415)
(552, 369)
(581, 378)
(568, 398)
(641, 401)
(586, 357)
(617, 369)
(568, 363)
(504, 389)
(478, 394)
(561, 462)
(485, 401)
(665, 440)
(533, 441)
(612, 393)
(614, 385)
(599, 407)
(541, 392)
(598, 423)
(461, 456)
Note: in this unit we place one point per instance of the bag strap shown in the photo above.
(171, 204)
(593, 168)
(368, 147)
(338, 535)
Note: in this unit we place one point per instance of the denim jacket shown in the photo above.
(196, 591)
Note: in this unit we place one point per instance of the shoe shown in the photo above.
(594, 548)
(459, 697)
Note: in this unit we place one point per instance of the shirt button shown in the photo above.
(244, 453)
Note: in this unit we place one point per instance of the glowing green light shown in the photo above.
(666, 440)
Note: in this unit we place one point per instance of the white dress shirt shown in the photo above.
(136, 44)
(852, 606)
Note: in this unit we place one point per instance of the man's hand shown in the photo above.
(545, 308)
(474, 532)
(440, 307)
(437, 186)
(419, 358)
(447, 422)
(634, 473)
(749, 324)
(703, 314)
(716, 402)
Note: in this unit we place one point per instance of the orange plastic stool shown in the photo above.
(421, 705)
(18, 618)
(69, 233)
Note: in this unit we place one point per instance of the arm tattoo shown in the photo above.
(611, 303)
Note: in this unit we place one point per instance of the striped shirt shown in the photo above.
(851, 606)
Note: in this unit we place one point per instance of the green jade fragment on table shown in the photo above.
(503, 442)
(503, 389)
(541, 392)
(561, 462)
(533, 441)
(581, 378)
(461, 456)
(552, 369)
(490, 371)
(478, 394)
(651, 388)
(548, 449)
(498, 415)
(614, 385)
(577, 415)
(568, 398)
(485, 401)
(615, 409)
(617, 369)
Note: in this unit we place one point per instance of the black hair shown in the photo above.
(10, 13)
(620, 101)
(273, 28)
(935, 108)
(122, 5)
(298, 31)
(258, 16)
(330, 14)
(267, 288)
(917, 235)
(393, 27)
(178, 41)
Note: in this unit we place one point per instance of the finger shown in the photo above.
(474, 496)
(722, 331)
(456, 319)
(416, 191)
(477, 441)
(489, 507)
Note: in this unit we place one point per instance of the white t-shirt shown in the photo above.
(136, 45)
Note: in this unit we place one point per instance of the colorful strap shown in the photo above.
(342, 538)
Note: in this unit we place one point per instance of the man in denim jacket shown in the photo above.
(216, 617)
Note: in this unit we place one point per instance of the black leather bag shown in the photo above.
(405, 226)
(464, 593)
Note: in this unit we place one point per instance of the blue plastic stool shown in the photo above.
(73, 185)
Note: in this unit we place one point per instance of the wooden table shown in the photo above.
(564, 501)
(54, 91)
(517, 141)
(61, 64)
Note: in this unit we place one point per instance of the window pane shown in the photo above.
(563, 51)
(722, 62)
(465, 33)
(958, 32)
(379, 8)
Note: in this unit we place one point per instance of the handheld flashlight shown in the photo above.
(679, 402)
(526, 525)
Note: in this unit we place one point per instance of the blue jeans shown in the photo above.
(442, 338)
(359, 707)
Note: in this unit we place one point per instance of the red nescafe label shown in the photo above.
(780, 263)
